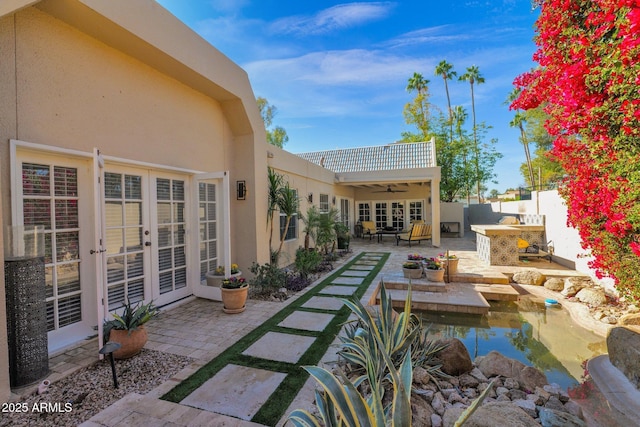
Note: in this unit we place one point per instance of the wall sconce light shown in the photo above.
(241, 190)
(334, 200)
(310, 198)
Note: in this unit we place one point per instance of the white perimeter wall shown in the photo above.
(566, 241)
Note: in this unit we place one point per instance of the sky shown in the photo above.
(337, 72)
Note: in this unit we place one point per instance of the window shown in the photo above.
(344, 212)
(50, 198)
(381, 214)
(324, 203)
(292, 230)
(415, 211)
(208, 228)
(364, 212)
(397, 215)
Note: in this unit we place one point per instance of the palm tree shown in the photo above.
(275, 181)
(445, 70)
(460, 115)
(473, 77)
(519, 121)
(288, 204)
(417, 83)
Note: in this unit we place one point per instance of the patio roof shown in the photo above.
(396, 156)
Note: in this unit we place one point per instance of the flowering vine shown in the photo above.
(588, 82)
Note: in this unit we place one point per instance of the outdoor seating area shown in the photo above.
(417, 233)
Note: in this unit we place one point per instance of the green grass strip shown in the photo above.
(275, 406)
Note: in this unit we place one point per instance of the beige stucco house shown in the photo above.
(128, 136)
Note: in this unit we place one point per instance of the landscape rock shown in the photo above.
(421, 411)
(421, 375)
(574, 409)
(555, 404)
(529, 277)
(530, 378)
(572, 285)
(500, 414)
(595, 297)
(495, 363)
(554, 284)
(623, 345)
(454, 357)
(527, 406)
(551, 418)
(467, 380)
(477, 374)
(436, 420)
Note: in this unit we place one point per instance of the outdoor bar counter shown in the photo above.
(497, 244)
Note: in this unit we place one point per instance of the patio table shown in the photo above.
(381, 233)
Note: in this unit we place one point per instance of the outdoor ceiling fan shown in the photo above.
(390, 190)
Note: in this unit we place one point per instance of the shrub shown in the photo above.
(307, 261)
(268, 278)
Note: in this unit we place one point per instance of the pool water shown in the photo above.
(528, 331)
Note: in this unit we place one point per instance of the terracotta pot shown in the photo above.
(131, 344)
(412, 273)
(234, 299)
(434, 275)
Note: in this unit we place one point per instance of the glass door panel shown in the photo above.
(124, 224)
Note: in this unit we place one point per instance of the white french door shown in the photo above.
(144, 236)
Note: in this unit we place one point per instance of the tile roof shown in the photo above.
(382, 157)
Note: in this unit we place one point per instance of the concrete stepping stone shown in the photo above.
(238, 391)
(342, 280)
(338, 290)
(356, 273)
(281, 347)
(324, 303)
(307, 321)
(362, 267)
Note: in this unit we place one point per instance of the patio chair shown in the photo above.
(527, 250)
(369, 229)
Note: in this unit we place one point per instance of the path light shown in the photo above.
(109, 348)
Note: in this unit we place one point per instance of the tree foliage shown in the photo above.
(278, 135)
(587, 82)
(463, 160)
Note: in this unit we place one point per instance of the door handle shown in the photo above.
(147, 243)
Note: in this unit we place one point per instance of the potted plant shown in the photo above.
(434, 270)
(450, 262)
(415, 257)
(342, 233)
(215, 278)
(234, 294)
(412, 270)
(128, 329)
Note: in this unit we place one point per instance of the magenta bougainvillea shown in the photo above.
(588, 81)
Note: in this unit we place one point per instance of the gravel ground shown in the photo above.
(79, 396)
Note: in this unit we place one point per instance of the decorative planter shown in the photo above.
(435, 275)
(234, 299)
(412, 273)
(215, 280)
(450, 264)
(131, 344)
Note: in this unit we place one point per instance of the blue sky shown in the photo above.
(337, 72)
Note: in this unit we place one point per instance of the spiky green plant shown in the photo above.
(132, 317)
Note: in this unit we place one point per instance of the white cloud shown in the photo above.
(332, 19)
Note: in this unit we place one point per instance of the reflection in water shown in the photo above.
(527, 331)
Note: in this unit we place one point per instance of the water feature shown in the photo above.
(526, 330)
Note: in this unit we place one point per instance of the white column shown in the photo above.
(435, 212)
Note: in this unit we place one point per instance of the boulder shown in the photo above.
(554, 284)
(529, 277)
(552, 418)
(495, 363)
(530, 378)
(454, 357)
(623, 345)
(421, 411)
(595, 297)
(500, 414)
(572, 285)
